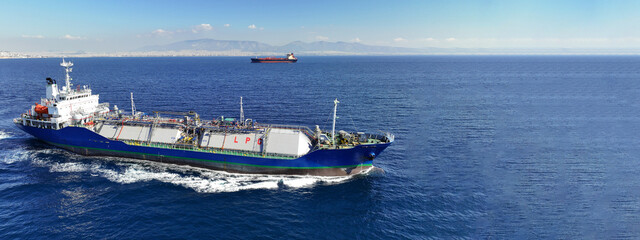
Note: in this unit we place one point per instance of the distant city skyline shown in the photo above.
(30, 26)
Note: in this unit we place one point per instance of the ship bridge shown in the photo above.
(67, 105)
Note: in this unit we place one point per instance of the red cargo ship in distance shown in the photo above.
(289, 59)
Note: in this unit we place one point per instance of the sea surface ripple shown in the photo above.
(514, 147)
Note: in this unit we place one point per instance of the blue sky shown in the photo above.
(125, 25)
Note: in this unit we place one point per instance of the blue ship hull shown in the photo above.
(325, 162)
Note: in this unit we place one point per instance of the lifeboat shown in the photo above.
(41, 109)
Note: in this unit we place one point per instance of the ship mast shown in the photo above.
(133, 106)
(241, 112)
(333, 130)
(67, 68)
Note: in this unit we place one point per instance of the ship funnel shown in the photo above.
(52, 88)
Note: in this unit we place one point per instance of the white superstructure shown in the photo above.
(66, 106)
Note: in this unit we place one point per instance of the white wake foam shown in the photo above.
(210, 181)
(130, 171)
(4, 135)
(68, 167)
(13, 156)
(18, 155)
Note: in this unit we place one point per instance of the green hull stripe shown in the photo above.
(207, 160)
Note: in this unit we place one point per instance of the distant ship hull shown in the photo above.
(273, 60)
(323, 162)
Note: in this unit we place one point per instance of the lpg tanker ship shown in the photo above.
(74, 119)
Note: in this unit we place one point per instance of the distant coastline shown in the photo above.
(14, 55)
(213, 47)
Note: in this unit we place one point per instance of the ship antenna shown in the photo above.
(67, 68)
(333, 130)
(241, 111)
(133, 106)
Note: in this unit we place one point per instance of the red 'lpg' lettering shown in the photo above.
(235, 140)
(259, 141)
(247, 140)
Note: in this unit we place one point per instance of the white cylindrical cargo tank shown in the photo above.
(232, 141)
(279, 141)
(288, 142)
(138, 133)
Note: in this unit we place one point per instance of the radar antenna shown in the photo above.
(67, 68)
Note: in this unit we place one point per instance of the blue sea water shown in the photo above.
(486, 147)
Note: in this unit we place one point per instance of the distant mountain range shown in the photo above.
(312, 48)
(212, 47)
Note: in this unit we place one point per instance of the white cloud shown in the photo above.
(322, 38)
(450, 39)
(201, 28)
(399, 39)
(161, 32)
(227, 25)
(69, 37)
(252, 26)
(356, 40)
(33, 36)
(428, 40)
